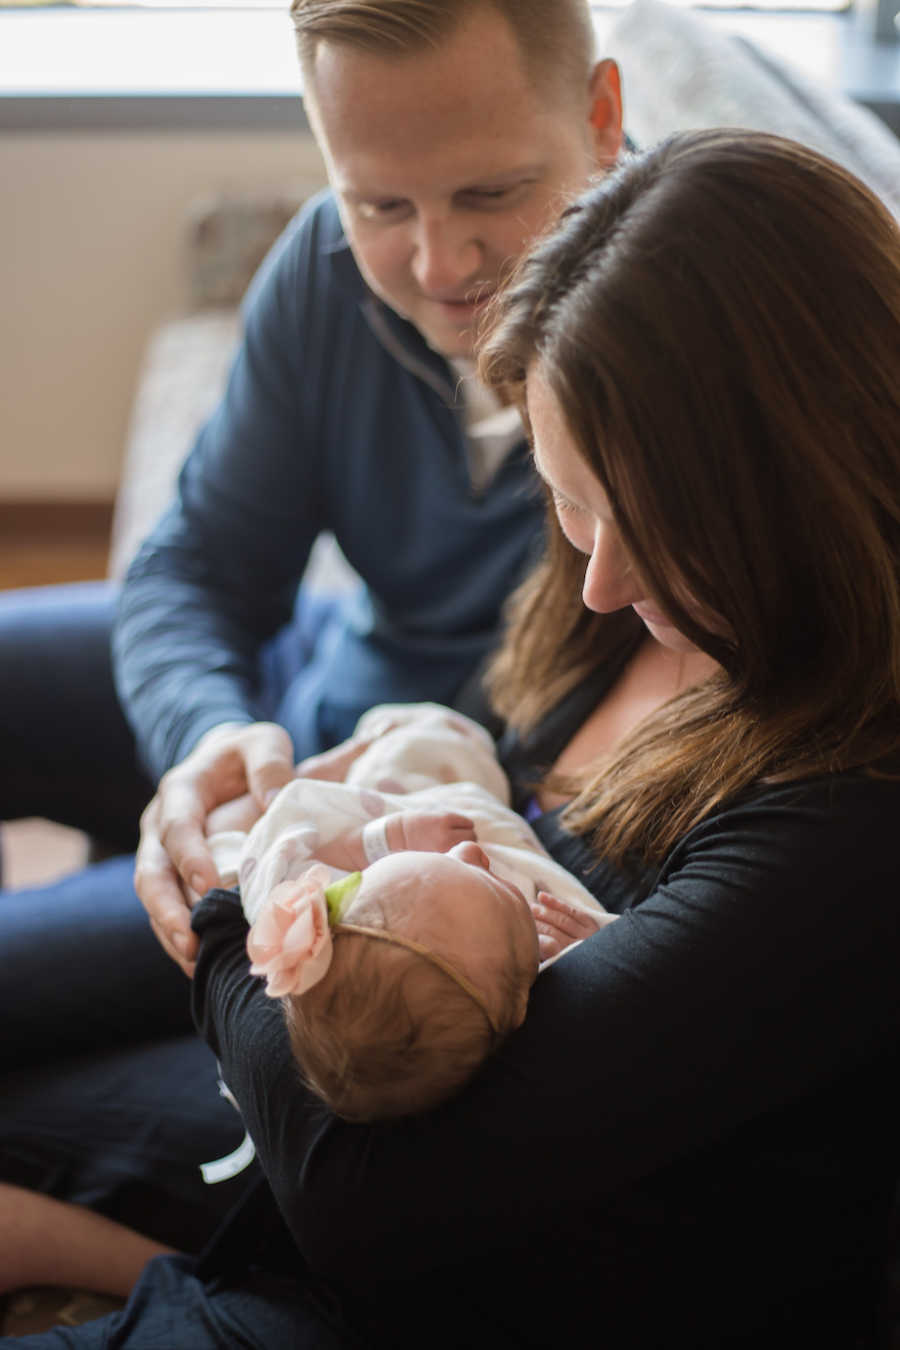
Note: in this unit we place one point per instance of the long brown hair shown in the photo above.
(720, 322)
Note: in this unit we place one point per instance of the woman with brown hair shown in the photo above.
(693, 1137)
(708, 349)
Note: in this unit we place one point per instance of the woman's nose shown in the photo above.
(609, 580)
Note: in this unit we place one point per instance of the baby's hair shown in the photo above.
(389, 1033)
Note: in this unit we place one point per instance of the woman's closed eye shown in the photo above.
(565, 505)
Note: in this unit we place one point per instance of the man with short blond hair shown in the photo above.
(451, 141)
(453, 133)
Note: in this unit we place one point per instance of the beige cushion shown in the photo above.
(180, 381)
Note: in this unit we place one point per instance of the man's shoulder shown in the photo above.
(320, 216)
(317, 230)
(309, 270)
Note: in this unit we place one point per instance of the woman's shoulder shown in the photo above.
(836, 800)
(833, 835)
(838, 829)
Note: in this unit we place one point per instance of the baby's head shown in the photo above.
(425, 968)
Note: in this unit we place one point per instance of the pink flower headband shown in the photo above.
(291, 943)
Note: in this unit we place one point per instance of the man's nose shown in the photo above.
(609, 580)
(447, 256)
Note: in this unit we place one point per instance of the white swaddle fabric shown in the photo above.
(407, 767)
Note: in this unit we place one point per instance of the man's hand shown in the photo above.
(560, 924)
(174, 867)
(240, 814)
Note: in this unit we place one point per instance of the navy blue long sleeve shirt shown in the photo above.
(337, 416)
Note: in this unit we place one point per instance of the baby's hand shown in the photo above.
(433, 832)
(560, 924)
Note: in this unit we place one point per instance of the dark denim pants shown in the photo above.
(172, 1309)
(106, 1095)
(66, 750)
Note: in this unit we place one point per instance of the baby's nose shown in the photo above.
(472, 854)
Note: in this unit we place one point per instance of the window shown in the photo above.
(768, 5)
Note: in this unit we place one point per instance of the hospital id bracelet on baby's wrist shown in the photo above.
(375, 841)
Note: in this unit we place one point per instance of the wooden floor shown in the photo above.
(45, 542)
(41, 544)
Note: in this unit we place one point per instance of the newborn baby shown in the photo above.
(394, 912)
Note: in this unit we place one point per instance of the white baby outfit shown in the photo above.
(424, 757)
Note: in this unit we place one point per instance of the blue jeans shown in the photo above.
(107, 1098)
(125, 1131)
(67, 751)
(82, 969)
(171, 1309)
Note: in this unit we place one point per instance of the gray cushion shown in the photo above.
(680, 72)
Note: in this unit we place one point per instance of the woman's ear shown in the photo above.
(605, 93)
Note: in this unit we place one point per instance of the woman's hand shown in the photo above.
(174, 866)
(560, 924)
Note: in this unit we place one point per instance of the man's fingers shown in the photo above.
(186, 961)
(240, 814)
(157, 885)
(268, 754)
(187, 847)
(178, 829)
(174, 866)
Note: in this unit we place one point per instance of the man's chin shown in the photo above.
(453, 343)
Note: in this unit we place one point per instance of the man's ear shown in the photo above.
(605, 93)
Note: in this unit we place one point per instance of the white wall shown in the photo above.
(91, 260)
